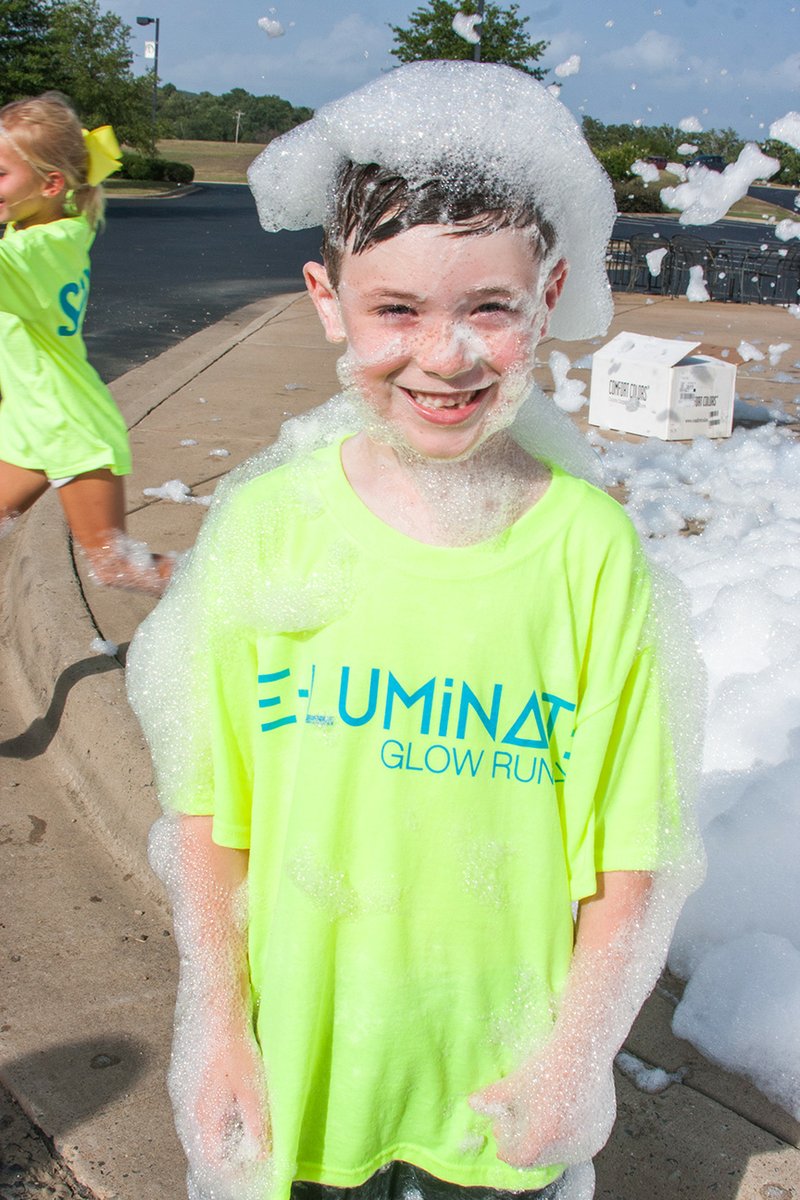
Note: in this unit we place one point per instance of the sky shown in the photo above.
(729, 63)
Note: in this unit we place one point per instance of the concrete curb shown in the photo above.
(93, 736)
(74, 698)
(187, 190)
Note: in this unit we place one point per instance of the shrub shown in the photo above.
(633, 195)
(178, 172)
(154, 170)
(617, 160)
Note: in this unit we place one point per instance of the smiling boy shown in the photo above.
(425, 719)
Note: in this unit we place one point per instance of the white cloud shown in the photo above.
(780, 76)
(562, 44)
(305, 70)
(653, 52)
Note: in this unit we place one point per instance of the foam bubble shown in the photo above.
(425, 114)
(648, 172)
(743, 1029)
(100, 645)
(787, 229)
(175, 490)
(570, 394)
(571, 66)
(696, 289)
(123, 562)
(707, 195)
(272, 28)
(655, 260)
(736, 939)
(467, 27)
(787, 129)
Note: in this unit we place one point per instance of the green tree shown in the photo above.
(788, 157)
(94, 58)
(504, 38)
(717, 141)
(206, 117)
(72, 46)
(26, 53)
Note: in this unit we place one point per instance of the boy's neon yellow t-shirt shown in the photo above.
(56, 414)
(429, 753)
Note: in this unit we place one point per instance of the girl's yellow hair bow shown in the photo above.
(104, 153)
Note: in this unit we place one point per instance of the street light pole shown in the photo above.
(153, 21)
(476, 49)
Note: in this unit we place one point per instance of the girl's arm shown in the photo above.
(559, 1106)
(216, 1076)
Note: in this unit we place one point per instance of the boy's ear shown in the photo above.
(552, 291)
(325, 301)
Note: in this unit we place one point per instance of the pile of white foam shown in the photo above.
(738, 939)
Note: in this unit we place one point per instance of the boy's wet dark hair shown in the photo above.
(372, 204)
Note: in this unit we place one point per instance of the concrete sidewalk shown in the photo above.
(89, 966)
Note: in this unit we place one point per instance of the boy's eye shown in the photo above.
(494, 306)
(395, 310)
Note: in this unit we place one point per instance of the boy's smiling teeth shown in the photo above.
(443, 400)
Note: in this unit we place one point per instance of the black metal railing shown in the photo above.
(734, 271)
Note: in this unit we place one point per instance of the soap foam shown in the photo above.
(422, 115)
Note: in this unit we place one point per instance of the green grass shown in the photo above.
(135, 187)
(758, 210)
(220, 162)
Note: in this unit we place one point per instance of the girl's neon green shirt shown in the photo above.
(429, 754)
(56, 414)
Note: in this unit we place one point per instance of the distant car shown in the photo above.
(713, 162)
(658, 160)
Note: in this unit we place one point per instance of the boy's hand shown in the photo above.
(553, 1110)
(231, 1110)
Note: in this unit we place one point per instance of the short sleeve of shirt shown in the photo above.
(619, 797)
(192, 677)
(22, 287)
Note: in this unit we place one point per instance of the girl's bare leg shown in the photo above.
(19, 489)
(94, 505)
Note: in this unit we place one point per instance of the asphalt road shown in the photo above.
(744, 232)
(164, 268)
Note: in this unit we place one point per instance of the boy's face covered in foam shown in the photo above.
(441, 332)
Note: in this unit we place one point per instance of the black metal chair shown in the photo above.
(787, 275)
(619, 261)
(722, 270)
(641, 278)
(687, 251)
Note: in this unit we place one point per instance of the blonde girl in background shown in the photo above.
(59, 425)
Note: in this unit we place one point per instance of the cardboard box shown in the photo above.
(657, 387)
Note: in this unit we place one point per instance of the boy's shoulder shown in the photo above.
(265, 479)
(590, 510)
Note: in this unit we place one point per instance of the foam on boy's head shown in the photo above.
(423, 116)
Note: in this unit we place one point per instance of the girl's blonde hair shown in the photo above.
(46, 133)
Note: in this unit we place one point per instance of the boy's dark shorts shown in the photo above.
(402, 1181)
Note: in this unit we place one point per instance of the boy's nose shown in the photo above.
(446, 351)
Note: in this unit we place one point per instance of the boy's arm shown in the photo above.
(558, 1107)
(216, 1064)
